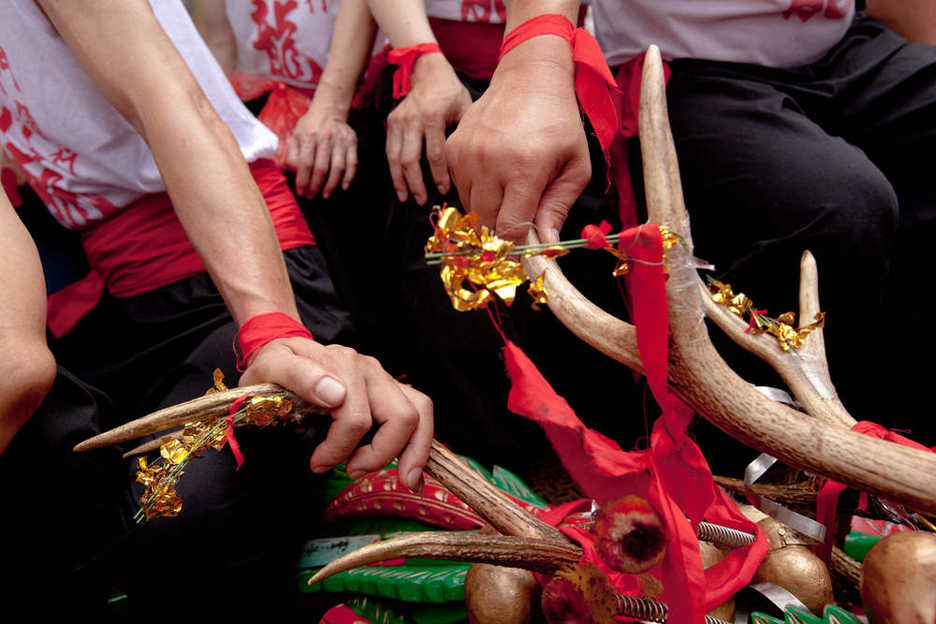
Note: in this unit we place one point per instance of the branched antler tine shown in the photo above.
(538, 555)
(492, 505)
(209, 406)
(699, 375)
(805, 372)
(154, 444)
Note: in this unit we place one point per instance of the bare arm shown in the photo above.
(323, 148)
(227, 220)
(211, 19)
(436, 99)
(914, 19)
(27, 368)
(519, 154)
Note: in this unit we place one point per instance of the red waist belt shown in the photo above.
(144, 247)
(471, 48)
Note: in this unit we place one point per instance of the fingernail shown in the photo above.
(330, 391)
(401, 197)
(354, 475)
(552, 235)
(415, 476)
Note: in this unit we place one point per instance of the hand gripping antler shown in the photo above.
(821, 444)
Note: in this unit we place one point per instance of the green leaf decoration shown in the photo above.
(409, 583)
(832, 615)
(514, 485)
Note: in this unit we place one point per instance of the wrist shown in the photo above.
(545, 61)
(333, 97)
(519, 11)
(430, 69)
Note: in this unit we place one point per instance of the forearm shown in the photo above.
(914, 19)
(27, 368)
(351, 43)
(210, 17)
(519, 11)
(213, 193)
(404, 22)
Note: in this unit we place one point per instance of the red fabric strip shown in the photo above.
(828, 496)
(8, 180)
(144, 247)
(471, 48)
(229, 430)
(592, 76)
(596, 235)
(406, 58)
(343, 614)
(627, 102)
(262, 329)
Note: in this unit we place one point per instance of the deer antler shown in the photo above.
(699, 376)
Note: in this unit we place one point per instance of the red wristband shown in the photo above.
(406, 58)
(592, 75)
(262, 329)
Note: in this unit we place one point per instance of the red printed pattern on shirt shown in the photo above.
(481, 10)
(278, 41)
(311, 4)
(807, 9)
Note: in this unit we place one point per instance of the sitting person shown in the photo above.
(144, 149)
(783, 147)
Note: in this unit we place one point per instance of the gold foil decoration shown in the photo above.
(262, 411)
(476, 264)
(159, 489)
(538, 292)
(781, 328)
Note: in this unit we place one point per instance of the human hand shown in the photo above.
(519, 154)
(436, 98)
(360, 395)
(322, 149)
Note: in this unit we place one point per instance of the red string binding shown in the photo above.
(592, 76)
(406, 59)
(262, 329)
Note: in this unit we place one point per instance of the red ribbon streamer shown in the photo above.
(229, 430)
(592, 76)
(406, 59)
(828, 496)
(672, 474)
(262, 329)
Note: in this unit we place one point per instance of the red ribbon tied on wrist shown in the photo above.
(262, 329)
(406, 59)
(592, 75)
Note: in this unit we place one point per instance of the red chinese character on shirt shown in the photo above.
(278, 42)
(805, 9)
(838, 9)
(311, 4)
(5, 67)
(26, 118)
(481, 10)
(67, 156)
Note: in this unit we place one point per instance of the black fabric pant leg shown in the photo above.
(62, 511)
(240, 530)
(890, 113)
(763, 183)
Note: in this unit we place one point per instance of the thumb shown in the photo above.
(558, 198)
(285, 362)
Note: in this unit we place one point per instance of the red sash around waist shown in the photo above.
(143, 247)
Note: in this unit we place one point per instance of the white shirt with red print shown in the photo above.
(774, 33)
(80, 155)
(484, 11)
(286, 40)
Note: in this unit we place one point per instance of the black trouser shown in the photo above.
(240, 531)
(835, 158)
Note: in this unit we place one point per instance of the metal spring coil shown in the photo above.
(648, 610)
(723, 535)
